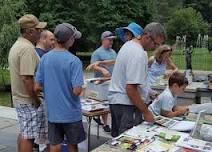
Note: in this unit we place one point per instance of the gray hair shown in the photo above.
(155, 29)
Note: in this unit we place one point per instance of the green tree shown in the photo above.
(203, 6)
(186, 21)
(94, 16)
(109, 14)
(9, 11)
(165, 8)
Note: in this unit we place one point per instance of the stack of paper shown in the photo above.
(195, 144)
(93, 105)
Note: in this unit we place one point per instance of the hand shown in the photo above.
(148, 116)
(90, 66)
(153, 95)
(167, 75)
(182, 110)
(37, 102)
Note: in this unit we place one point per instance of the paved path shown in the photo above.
(9, 132)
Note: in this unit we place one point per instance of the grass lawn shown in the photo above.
(201, 60)
(4, 77)
(5, 99)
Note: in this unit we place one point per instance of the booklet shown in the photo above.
(175, 124)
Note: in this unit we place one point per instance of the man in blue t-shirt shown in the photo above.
(104, 53)
(60, 76)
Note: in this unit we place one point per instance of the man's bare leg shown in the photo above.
(72, 148)
(55, 148)
(19, 143)
(26, 145)
(104, 118)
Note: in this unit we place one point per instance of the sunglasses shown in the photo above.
(166, 50)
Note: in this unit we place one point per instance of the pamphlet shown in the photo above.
(174, 124)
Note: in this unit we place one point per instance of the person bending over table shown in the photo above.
(166, 103)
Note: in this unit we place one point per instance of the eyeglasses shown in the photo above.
(153, 40)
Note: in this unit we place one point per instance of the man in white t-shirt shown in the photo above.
(129, 79)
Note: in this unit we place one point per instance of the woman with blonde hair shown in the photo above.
(158, 63)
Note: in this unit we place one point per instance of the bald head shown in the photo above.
(46, 40)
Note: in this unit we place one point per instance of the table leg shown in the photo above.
(89, 132)
(98, 129)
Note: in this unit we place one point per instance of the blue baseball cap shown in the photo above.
(134, 28)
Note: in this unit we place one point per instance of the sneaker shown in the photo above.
(106, 128)
(98, 121)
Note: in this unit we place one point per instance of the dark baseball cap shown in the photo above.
(63, 32)
(107, 35)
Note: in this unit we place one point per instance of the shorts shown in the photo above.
(74, 132)
(32, 122)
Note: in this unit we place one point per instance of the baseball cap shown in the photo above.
(65, 31)
(107, 35)
(31, 21)
(133, 27)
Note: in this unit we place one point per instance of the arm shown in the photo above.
(95, 58)
(28, 63)
(76, 77)
(171, 65)
(29, 86)
(104, 71)
(177, 111)
(38, 88)
(96, 67)
(150, 61)
(134, 96)
(107, 62)
(181, 108)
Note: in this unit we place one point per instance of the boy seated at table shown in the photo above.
(165, 104)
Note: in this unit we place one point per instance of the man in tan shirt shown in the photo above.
(22, 62)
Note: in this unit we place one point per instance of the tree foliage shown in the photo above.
(165, 8)
(186, 21)
(203, 6)
(94, 16)
(9, 11)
